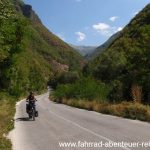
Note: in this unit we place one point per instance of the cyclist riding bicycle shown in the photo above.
(31, 101)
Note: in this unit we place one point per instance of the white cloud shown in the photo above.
(135, 13)
(101, 26)
(105, 29)
(119, 29)
(81, 36)
(61, 36)
(114, 18)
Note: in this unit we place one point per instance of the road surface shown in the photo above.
(86, 130)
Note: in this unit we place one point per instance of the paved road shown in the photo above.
(60, 123)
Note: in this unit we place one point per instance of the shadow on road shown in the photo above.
(23, 119)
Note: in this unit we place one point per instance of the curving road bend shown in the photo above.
(86, 130)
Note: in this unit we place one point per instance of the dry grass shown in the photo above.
(125, 109)
(7, 110)
(136, 92)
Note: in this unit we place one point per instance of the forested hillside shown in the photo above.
(117, 81)
(126, 63)
(104, 46)
(30, 56)
(29, 53)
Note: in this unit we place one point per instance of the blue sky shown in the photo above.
(86, 22)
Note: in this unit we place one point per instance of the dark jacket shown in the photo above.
(31, 98)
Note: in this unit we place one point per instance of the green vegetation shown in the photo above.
(119, 82)
(7, 110)
(63, 78)
(85, 88)
(104, 46)
(15, 57)
(49, 45)
(94, 95)
(30, 55)
(125, 64)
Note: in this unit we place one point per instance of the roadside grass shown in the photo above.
(88, 93)
(7, 110)
(124, 109)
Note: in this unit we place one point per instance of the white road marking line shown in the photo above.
(85, 129)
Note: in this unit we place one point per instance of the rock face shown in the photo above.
(60, 67)
(27, 11)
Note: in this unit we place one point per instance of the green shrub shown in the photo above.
(7, 110)
(68, 77)
(85, 88)
(63, 78)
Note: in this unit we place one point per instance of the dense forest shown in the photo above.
(29, 53)
(125, 64)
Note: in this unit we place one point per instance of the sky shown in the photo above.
(86, 22)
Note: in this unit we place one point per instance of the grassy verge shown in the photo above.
(124, 109)
(7, 110)
(88, 93)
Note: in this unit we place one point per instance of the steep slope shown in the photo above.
(104, 46)
(29, 53)
(29, 56)
(58, 50)
(125, 64)
(91, 52)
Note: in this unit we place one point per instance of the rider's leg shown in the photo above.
(27, 108)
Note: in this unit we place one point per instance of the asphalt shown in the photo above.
(58, 123)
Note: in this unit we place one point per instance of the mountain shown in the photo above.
(90, 52)
(59, 50)
(125, 63)
(104, 46)
(29, 53)
(85, 51)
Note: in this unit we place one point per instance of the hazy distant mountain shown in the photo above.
(93, 51)
(85, 51)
